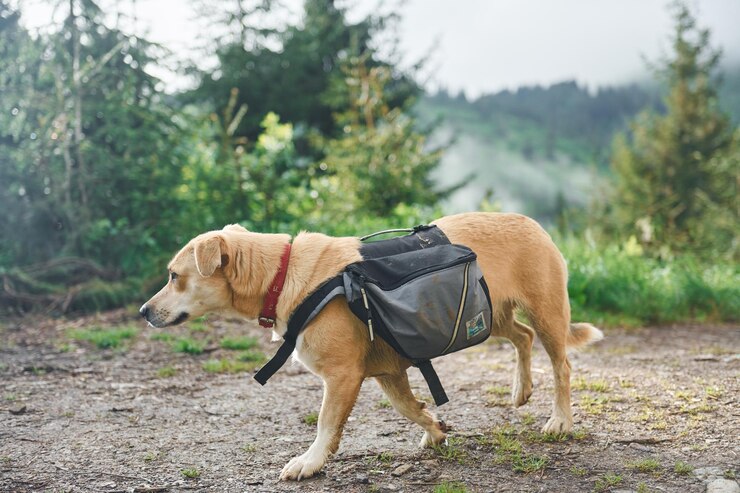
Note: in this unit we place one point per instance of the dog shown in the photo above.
(230, 271)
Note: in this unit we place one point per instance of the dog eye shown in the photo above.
(173, 276)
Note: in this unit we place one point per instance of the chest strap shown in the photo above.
(306, 312)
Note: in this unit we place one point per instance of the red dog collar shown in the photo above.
(269, 308)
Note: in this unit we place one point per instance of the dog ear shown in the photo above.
(236, 228)
(208, 255)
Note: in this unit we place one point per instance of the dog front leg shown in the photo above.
(340, 393)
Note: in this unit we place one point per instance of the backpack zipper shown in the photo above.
(460, 310)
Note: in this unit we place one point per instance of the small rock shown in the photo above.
(723, 486)
(709, 473)
(362, 479)
(401, 470)
(639, 446)
(17, 410)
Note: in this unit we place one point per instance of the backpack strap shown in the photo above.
(305, 312)
(435, 386)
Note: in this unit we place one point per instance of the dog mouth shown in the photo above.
(179, 319)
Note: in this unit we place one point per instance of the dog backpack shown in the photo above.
(421, 294)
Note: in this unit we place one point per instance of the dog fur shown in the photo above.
(229, 271)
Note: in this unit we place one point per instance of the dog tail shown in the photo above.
(582, 334)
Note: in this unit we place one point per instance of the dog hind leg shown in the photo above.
(398, 390)
(522, 337)
(340, 394)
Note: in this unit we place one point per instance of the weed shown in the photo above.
(578, 471)
(642, 488)
(311, 418)
(187, 345)
(451, 450)
(150, 456)
(528, 463)
(536, 436)
(528, 419)
(162, 336)
(239, 343)
(581, 383)
(190, 473)
(252, 356)
(166, 372)
(249, 448)
(499, 390)
(104, 338)
(384, 404)
(384, 458)
(682, 467)
(649, 464)
(625, 383)
(198, 325)
(714, 392)
(729, 474)
(702, 407)
(10, 397)
(607, 481)
(450, 487)
(593, 405)
(225, 365)
(5, 460)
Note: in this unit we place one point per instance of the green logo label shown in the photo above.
(476, 325)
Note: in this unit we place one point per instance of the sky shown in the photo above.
(483, 46)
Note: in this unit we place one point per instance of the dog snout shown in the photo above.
(144, 311)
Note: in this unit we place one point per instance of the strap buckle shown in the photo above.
(266, 322)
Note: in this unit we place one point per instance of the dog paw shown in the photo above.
(558, 424)
(302, 467)
(436, 437)
(520, 394)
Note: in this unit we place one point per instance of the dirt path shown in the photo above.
(650, 405)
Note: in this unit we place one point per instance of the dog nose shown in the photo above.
(144, 310)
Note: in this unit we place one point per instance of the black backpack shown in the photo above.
(422, 295)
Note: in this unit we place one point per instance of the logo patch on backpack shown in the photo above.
(476, 325)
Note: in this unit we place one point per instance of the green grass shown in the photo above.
(225, 365)
(452, 450)
(238, 343)
(104, 338)
(188, 345)
(166, 372)
(384, 458)
(682, 468)
(450, 487)
(190, 473)
(648, 464)
(252, 356)
(605, 482)
(162, 336)
(617, 284)
(311, 418)
(528, 463)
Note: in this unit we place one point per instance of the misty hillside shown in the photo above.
(536, 149)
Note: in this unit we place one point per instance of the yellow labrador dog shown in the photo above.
(229, 271)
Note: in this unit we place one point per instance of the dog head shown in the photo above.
(197, 282)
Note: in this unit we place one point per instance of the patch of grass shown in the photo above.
(249, 448)
(384, 458)
(648, 464)
(593, 405)
(450, 487)
(225, 365)
(162, 336)
(606, 481)
(528, 419)
(252, 356)
(451, 450)
(578, 471)
(528, 463)
(384, 404)
(581, 383)
(729, 474)
(166, 372)
(642, 488)
(150, 456)
(536, 436)
(681, 467)
(311, 418)
(702, 407)
(625, 383)
(198, 325)
(10, 397)
(190, 473)
(238, 343)
(187, 345)
(104, 338)
(5, 460)
(714, 392)
(499, 390)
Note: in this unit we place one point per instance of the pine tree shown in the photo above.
(668, 169)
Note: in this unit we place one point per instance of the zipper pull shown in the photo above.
(369, 316)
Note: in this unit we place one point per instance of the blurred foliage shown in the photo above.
(676, 173)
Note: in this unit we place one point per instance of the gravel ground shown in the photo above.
(656, 409)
